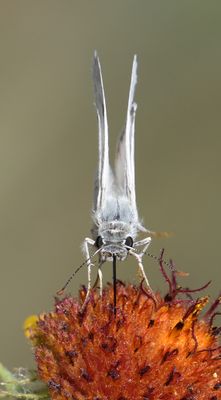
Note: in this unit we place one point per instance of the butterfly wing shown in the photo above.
(103, 180)
(124, 166)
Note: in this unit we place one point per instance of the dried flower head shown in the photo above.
(152, 349)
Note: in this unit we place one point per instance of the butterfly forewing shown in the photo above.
(124, 165)
(104, 173)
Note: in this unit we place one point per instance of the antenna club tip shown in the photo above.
(60, 292)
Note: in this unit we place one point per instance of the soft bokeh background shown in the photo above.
(48, 141)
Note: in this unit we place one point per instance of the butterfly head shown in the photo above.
(114, 239)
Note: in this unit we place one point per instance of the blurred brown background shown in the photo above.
(48, 141)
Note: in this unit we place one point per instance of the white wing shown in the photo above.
(124, 167)
(103, 181)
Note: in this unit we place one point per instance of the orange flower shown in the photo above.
(153, 349)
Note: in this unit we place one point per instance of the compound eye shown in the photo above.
(99, 242)
(129, 241)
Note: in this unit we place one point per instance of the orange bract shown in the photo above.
(150, 351)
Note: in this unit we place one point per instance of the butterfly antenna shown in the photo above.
(159, 258)
(168, 264)
(115, 282)
(61, 291)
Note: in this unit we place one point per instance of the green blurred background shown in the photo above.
(48, 141)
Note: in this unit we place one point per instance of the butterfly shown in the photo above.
(116, 223)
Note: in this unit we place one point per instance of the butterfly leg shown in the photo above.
(145, 243)
(99, 279)
(100, 274)
(140, 265)
(85, 247)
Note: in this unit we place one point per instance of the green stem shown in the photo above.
(20, 389)
(28, 396)
(7, 379)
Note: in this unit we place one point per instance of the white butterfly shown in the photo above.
(115, 217)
